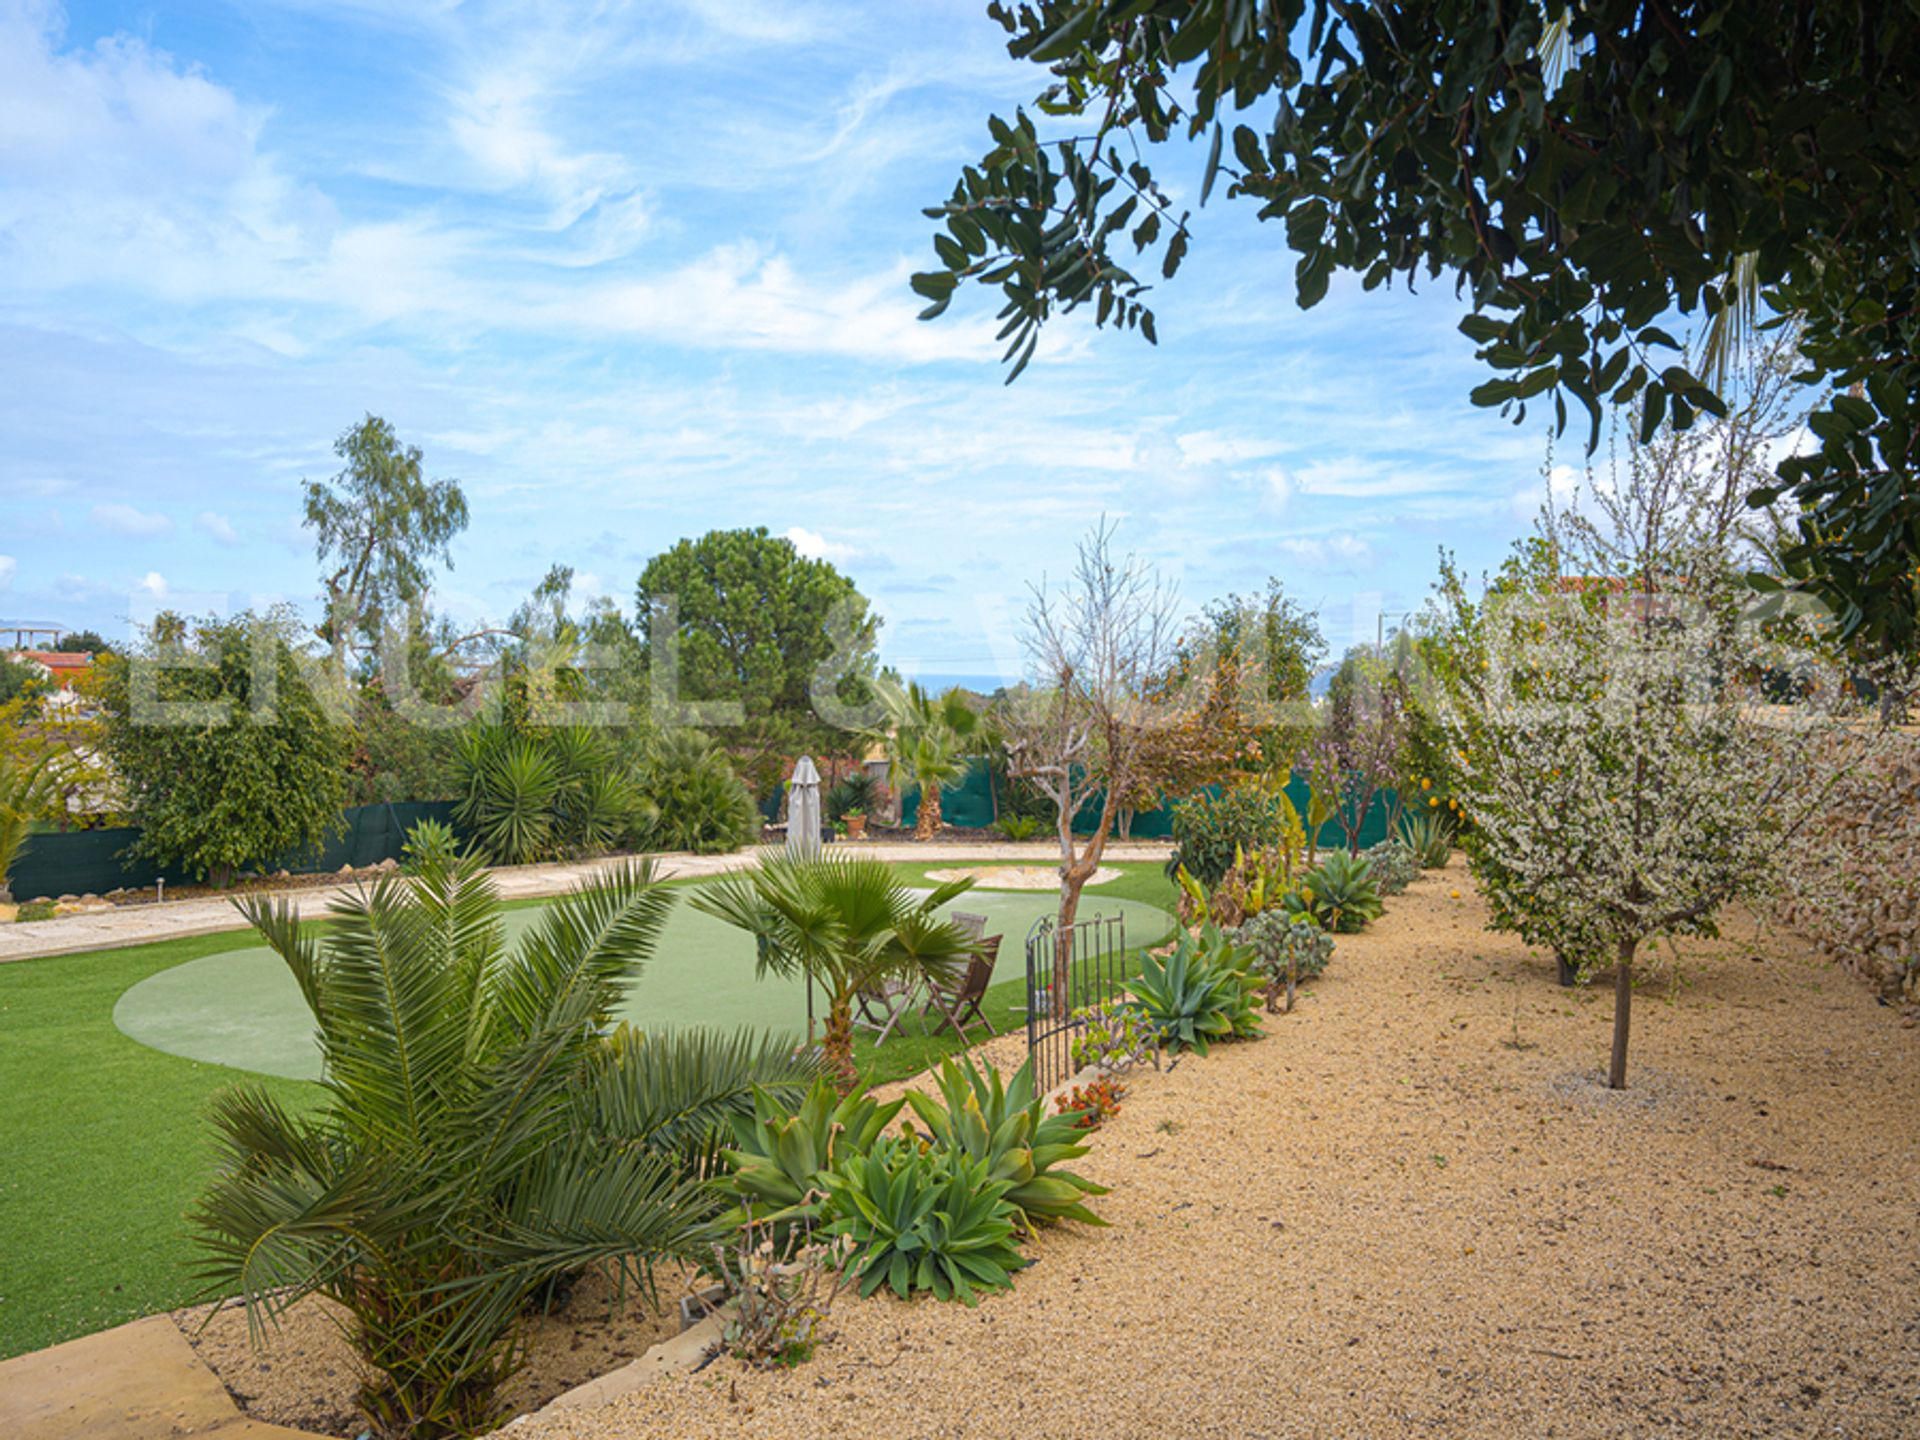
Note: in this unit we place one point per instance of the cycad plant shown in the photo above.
(480, 1135)
(846, 924)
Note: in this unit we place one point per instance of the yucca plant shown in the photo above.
(595, 799)
(848, 924)
(1339, 894)
(1005, 1126)
(1198, 993)
(478, 1136)
(509, 785)
(924, 1220)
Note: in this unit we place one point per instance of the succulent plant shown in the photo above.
(1339, 895)
(778, 1170)
(1286, 949)
(1199, 993)
(1006, 1127)
(924, 1219)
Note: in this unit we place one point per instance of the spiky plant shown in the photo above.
(478, 1137)
(849, 924)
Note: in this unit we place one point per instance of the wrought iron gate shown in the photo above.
(1094, 955)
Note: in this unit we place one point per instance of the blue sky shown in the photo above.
(634, 272)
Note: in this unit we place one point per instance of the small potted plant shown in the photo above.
(856, 824)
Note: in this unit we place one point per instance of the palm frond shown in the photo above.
(279, 925)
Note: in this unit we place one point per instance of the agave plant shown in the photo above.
(779, 1166)
(1338, 895)
(1006, 1127)
(1198, 993)
(849, 924)
(924, 1220)
(1430, 836)
(477, 1139)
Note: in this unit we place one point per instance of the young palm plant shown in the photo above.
(846, 924)
(481, 1136)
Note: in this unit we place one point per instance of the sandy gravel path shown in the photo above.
(1413, 1211)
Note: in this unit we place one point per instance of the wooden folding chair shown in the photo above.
(960, 1003)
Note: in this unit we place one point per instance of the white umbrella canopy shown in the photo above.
(803, 809)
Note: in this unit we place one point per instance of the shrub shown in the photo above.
(1394, 866)
(509, 784)
(1286, 949)
(1114, 1037)
(247, 769)
(1209, 830)
(1199, 993)
(1339, 895)
(780, 1292)
(1019, 827)
(1007, 1129)
(924, 1219)
(428, 844)
(36, 910)
(692, 798)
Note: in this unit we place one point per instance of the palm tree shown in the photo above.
(847, 924)
(480, 1137)
(25, 792)
(929, 738)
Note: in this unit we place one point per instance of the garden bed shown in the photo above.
(1413, 1207)
(306, 1377)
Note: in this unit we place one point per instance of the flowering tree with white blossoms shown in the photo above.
(1618, 754)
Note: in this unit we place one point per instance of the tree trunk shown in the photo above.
(1565, 970)
(1622, 1015)
(1074, 874)
(929, 820)
(836, 1045)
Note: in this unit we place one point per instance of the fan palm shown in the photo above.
(930, 738)
(847, 924)
(480, 1136)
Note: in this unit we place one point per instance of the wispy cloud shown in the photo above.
(127, 520)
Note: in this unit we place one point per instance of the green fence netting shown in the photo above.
(82, 862)
(969, 804)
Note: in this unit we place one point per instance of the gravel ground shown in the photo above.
(1413, 1209)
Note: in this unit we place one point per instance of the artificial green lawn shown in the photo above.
(103, 1145)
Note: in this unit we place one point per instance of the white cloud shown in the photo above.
(153, 585)
(126, 520)
(9, 567)
(815, 546)
(218, 526)
(1343, 553)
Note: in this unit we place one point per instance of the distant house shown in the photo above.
(59, 668)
